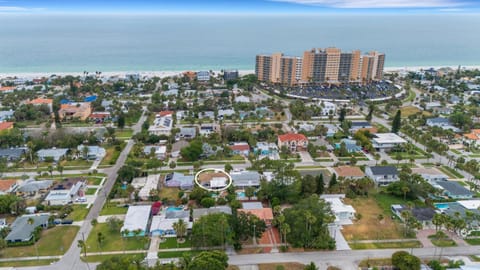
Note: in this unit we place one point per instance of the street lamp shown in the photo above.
(254, 235)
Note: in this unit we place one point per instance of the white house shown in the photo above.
(151, 182)
(343, 213)
(55, 153)
(386, 141)
(93, 152)
(431, 175)
(158, 150)
(382, 175)
(66, 191)
(328, 107)
(136, 219)
(163, 123)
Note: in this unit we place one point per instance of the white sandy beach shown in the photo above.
(162, 74)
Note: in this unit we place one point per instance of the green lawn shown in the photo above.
(453, 172)
(171, 242)
(113, 209)
(174, 254)
(94, 181)
(111, 156)
(54, 241)
(79, 213)
(91, 191)
(386, 200)
(101, 258)
(123, 133)
(77, 163)
(407, 244)
(473, 241)
(113, 241)
(442, 242)
(456, 151)
(26, 263)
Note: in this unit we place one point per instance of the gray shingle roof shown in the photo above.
(12, 153)
(454, 188)
(177, 214)
(22, 231)
(197, 213)
(384, 170)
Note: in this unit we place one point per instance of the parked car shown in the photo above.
(67, 221)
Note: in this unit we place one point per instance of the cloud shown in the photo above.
(5, 9)
(12, 8)
(378, 3)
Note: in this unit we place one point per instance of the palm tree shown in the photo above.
(405, 190)
(311, 266)
(100, 239)
(60, 169)
(82, 245)
(180, 228)
(31, 222)
(285, 229)
(310, 220)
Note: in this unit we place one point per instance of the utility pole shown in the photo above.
(254, 235)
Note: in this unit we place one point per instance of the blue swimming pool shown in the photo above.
(241, 194)
(174, 208)
(441, 206)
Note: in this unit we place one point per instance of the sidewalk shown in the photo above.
(30, 258)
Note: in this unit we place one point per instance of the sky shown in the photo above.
(238, 6)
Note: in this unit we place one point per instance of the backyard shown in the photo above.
(54, 241)
(113, 241)
(79, 212)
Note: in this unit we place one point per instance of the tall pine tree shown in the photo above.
(320, 184)
(333, 181)
(397, 121)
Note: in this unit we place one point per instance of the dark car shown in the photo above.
(67, 221)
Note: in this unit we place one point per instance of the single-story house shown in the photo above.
(264, 214)
(7, 186)
(137, 218)
(328, 108)
(66, 191)
(431, 175)
(177, 146)
(225, 113)
(351, 145)
(22, 230)
(12, 154)
(179, 180)
(207, 129)
(163, 123)
(31, 187)
(343, 213)
(199, 212)
(55, 153)
(386, 141)
(93, 152)
(422, 214)
(163, 226)
(152, 182)
(265, 148)
(348, 172)
(382, 175)
(242, 99)
(240, 148)
(187, 133)
(159, 151)
(100, 117)
(441, 122)
(356, 126)
(245, 179)
(6, 115)
(331, 130)
(454, 190)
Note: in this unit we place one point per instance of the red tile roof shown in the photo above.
(6, 125)
(41, 101)
(239, 147)
(263, 214)
(164, 113)
(292, 137)
(5, 185)
(100, 115)
(7, 88)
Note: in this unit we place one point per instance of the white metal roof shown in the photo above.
(137, 218)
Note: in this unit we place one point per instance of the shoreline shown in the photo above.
(162, 74)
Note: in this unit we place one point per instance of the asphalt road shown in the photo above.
(71, 259)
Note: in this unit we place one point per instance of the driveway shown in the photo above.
(305, 156)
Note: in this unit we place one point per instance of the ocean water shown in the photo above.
(74, 43)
